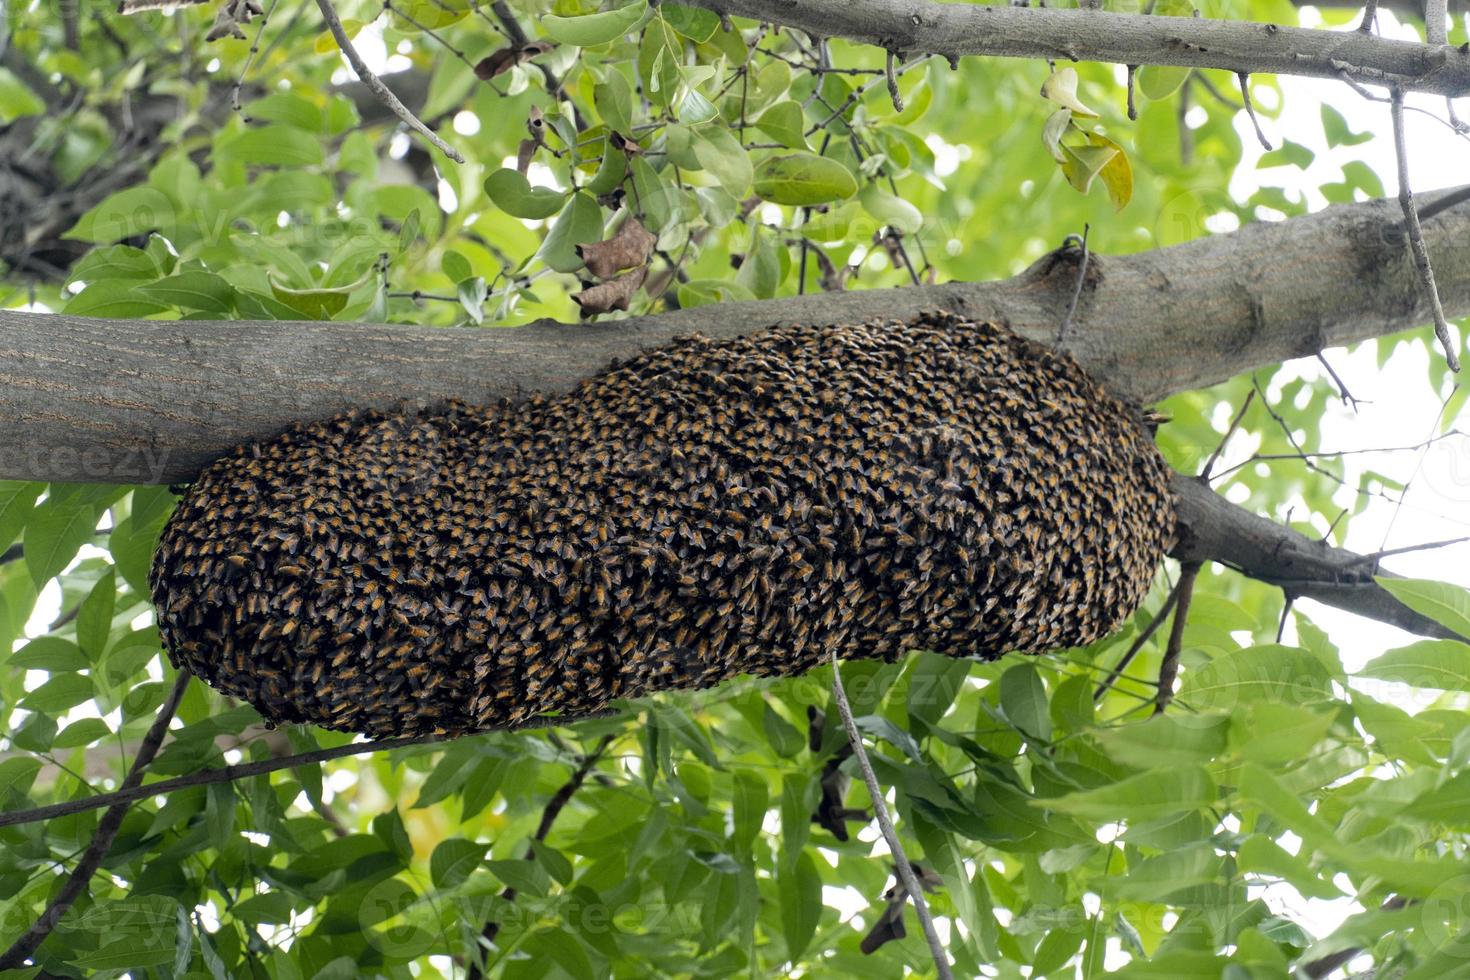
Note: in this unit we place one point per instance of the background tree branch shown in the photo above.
(959, 29)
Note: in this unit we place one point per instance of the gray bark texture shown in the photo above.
(956, 29)
(130, 401)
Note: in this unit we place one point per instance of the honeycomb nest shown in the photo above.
(706, 509)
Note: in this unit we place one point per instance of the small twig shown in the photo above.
(1342, 388)
(375, 84)
(1285, 612)
(1370, 17)
(1374, 556)
(1066, 323)
(885, 824)
(1169, 668)
(892, 82)
(250, 61)
(14, 958)
(1250, 110)
(1214, 93)
(227, 774)
(549, 813)
(1137, 644)
(1204, 473)
(1132, 106)
(1436, 17)
(1416, 233)
(429, 31)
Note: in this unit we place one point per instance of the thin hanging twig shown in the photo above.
(1250, 109)
(1416, 233)
(1169, 668)
(375, 84)
(885, 824)
(1137, 645)
(1208, 468)
(14, 958)
(1066, 323)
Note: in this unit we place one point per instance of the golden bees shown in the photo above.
(706, 509)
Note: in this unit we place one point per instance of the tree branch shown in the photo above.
(383, 93)
(1213, 529)
(952, 30)
(146, 401)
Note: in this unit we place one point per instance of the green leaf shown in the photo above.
(1023, 699)
(695, 23)
(55, 533)
(703, 292)
(831, 226)
(1448, 605)
(552, 944)
(1436, 664)
(1263, 673)
(94, 617)
(274, 145)
(17, 501)
(194, 289)
(17, 99)
(126, 214)
(1288, 154)
(1146, 796)
(114, 262)
(593, 29)
(890, 209)
(313, 304)
(614, 100)
(1159, 81)
(289, 108)
(1168, 739)
(579, 224)
(49, 653)
(85, 731)
(803, 179)
(934, 681)
(58, 694)
(785, 123)
(454, 860)
(751, 799)
(456, 266)
(112, 298)
(523, 876)
(512, 193)
(721, 154)
(1335, 128)
(784, 739)
(799, 886)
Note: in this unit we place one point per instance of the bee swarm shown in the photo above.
(706, 509)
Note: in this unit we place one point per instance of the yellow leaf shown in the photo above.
(1061, 88)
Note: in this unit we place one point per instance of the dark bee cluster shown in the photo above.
(707, 509)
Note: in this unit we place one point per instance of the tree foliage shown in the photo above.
(1069, 828)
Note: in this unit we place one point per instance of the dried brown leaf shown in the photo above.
(628, 248)
(612, 295)
(505, 59)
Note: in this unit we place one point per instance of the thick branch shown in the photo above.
(952, 30)
(1213, 529)
(142, 401)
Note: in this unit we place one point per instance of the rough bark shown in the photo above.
(151, 401)
(953, 30)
